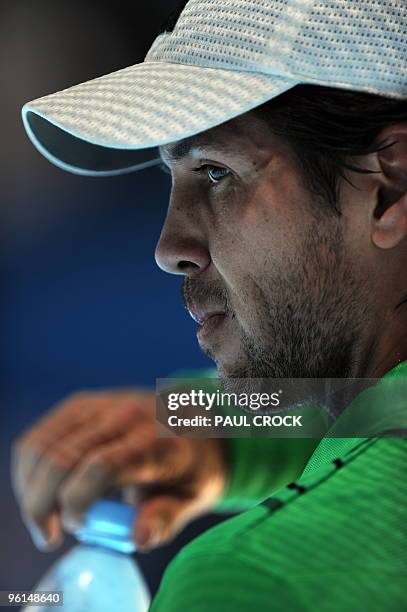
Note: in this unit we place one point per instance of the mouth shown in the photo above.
(209, 325)
(208, 308)
(208, 320)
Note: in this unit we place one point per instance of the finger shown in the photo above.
(56, 487)
(128, 461)
(78, 425)
(67, 418)
(88, 482)
(47, 536)
(38, 501)
(152, 460)
(28, 448)
(66, 415)
(48, 467)
(121, 417)
(160, 518)
(39, 498)
(98, 472)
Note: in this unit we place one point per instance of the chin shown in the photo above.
(230, 367)
(232, 373)
(240, 385)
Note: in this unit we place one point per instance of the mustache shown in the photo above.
(205, 292)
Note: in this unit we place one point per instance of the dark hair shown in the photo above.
(326, 127)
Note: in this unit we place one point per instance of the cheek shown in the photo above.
(260, 229)
(257, 242)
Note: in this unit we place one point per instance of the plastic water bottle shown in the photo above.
(99, 575)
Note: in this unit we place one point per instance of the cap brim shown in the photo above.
(114, 124)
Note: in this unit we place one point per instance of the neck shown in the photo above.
(389, 347)
(375, 358)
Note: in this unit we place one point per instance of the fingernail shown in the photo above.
(53, 543)
(42, 540)
(142, 535)
(152, 535)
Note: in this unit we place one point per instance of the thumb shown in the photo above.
(159, 519)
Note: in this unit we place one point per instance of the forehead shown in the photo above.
(244, 133)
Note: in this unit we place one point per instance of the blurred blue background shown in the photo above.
(83, 304)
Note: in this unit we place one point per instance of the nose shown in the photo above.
(181, 248)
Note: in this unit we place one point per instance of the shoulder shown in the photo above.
(338, 534)
(216, 573)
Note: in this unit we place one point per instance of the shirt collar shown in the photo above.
(331, 448)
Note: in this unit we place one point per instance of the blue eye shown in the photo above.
(215, 173)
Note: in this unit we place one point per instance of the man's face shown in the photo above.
(266, 266)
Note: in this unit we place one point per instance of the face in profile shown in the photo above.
(278, 283)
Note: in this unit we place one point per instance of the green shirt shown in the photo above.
(334, 539)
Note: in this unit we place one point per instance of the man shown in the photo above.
(284, 126)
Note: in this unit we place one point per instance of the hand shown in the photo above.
(93, 443)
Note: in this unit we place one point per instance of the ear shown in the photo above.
(389, 225)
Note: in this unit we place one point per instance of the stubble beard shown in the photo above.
(309, 316)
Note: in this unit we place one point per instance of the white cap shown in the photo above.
(223, 58)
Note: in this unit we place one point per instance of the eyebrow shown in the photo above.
(183, 148)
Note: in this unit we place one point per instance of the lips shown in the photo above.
(205, 305)
(208, 319)
(202, 316)
(209, 325)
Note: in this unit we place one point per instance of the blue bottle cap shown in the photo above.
(109, 523)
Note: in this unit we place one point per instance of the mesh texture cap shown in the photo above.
(223, 58)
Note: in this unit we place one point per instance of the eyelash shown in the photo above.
(204, 168)
(207, 167)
